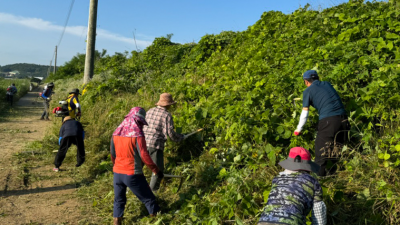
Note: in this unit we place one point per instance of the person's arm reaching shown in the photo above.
(144, 154)
(318, 214)
(78, 106)
(171, 132)
(112, 151)
(302, 121)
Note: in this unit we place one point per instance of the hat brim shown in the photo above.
(303, 165)
(75, 93)
(165, 103)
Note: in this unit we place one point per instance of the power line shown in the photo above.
(66, 22)
(65, 26)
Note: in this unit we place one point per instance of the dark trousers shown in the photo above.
(10, 98)
(139, 186)
(331, 132)
(157, 155)
(46, 105)
(64, 146)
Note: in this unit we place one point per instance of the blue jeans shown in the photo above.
(139, 186)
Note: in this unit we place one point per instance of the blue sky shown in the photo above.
(30, 30)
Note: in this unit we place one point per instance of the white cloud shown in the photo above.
(42, 25)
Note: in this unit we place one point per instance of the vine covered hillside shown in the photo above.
(242, 88)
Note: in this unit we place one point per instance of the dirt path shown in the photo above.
(30, 192)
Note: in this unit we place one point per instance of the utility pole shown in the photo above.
(91, 42)
(48, 70)
(55, 62)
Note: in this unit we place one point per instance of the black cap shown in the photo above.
(74, 91)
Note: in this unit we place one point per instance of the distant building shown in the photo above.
(12, 74)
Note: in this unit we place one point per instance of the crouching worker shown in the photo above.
(128, 153)
(295, 192)
(71, 132)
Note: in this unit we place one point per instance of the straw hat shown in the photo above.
(299, 159)
(165, 100)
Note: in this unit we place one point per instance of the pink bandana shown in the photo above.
(132, 126)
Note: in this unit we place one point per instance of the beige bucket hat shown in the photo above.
(165, 100)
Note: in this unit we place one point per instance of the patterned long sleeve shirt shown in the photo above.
(291, 199)
(160, 126)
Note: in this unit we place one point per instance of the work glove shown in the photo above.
(296, 133)
(160, 174)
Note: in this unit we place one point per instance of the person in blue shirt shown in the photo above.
(46, 95)
(333, 123)
(11, 91)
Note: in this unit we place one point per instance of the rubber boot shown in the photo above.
(117, 220)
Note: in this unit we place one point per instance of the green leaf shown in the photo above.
(239, 221)
(386, 156)
(272, 158)
(280, 129)
(204, 114)
(213, 150)
(392, 36)
(397, 147)
(266, 194)
(237, 158)
(382, 183)
(390, 45)
(386, 164)
(222, 172)
(366, 193)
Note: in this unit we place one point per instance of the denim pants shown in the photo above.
(139, 186)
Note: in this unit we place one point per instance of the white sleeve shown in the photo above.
(318, 214)
(78, 106)
(303, 120)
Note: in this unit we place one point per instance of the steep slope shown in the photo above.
(240, 86)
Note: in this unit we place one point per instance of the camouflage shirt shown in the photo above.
(291, 198)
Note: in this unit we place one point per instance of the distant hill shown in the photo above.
(26, 69)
